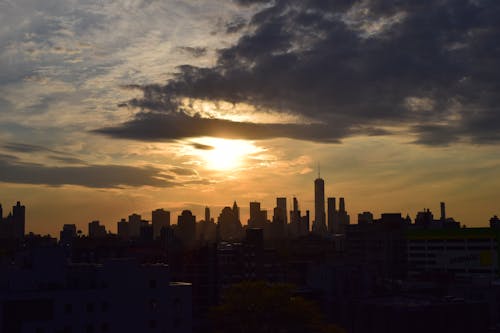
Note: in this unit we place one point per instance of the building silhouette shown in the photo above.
(134, 225)
(160, 219)
(186, 227)
(13, 226)
(228, 223)
(258, 217)
(48, 294)
(207, 214)
(319, 224)
(278, 225)
(96, 230)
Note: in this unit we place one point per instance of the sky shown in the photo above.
(109, 108)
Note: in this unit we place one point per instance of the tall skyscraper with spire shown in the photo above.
(319, 225)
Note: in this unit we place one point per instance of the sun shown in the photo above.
(225, 154)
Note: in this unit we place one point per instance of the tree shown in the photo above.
(259, 307)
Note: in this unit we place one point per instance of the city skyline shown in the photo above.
(179, 104)
(328, 212)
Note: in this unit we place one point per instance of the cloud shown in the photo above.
(184, 171)
(194, 51)
(95, 176)
(353, 66)
(26, 148)
(178, 125)
(202, 146)
(55, 155)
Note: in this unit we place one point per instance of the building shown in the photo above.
(123, 229)
(96, 230)
(319, 225)
(160, 218)
(13, 226)
(333, 223)
(121, 295)
(186, 227)
(455, 254)
(281, 204)
(380, 245)
(134, 225)
(67, 235)
(228, 224)
(207, 214)
(258, 217)
(425, 219)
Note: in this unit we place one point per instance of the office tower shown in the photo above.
(96, 230)
(343, 218)
(12, 226)
(186, 227)
(365, 218)
(281, 204)
(255, 214)
(332, 216)
(18, 219)
(342, 205)
(123, 229)
(304, 224)
(207, 214)
(319, 225)
(278, 226)
(295, 220)
(443, 211)
(134, 221)
(258, 217)
(160, 218)
(229, 225)
(236, 211)
(67, 234)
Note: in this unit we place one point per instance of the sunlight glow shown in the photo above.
(225, 154)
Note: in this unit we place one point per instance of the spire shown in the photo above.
(319, 170)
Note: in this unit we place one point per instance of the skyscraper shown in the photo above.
(18, 218)
(160, 219)
(186, 227)
(207, 214)
(319, 225)
(134, 224)
(332, 215)
(281, 204)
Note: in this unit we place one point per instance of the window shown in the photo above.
(153, 304)
(104, 306)
(68, 308)
(90, 307)
(152, 284)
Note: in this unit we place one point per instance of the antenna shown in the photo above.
(319, 171)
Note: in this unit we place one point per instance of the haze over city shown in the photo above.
(110, 108)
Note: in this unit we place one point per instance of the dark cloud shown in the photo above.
(67, 159)
(96, 176)
(235, 25)
(202, 146)
(26, 148)
(184, 171)
(54, 155)
(171, 126)
(194, 51)
(354, 66)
